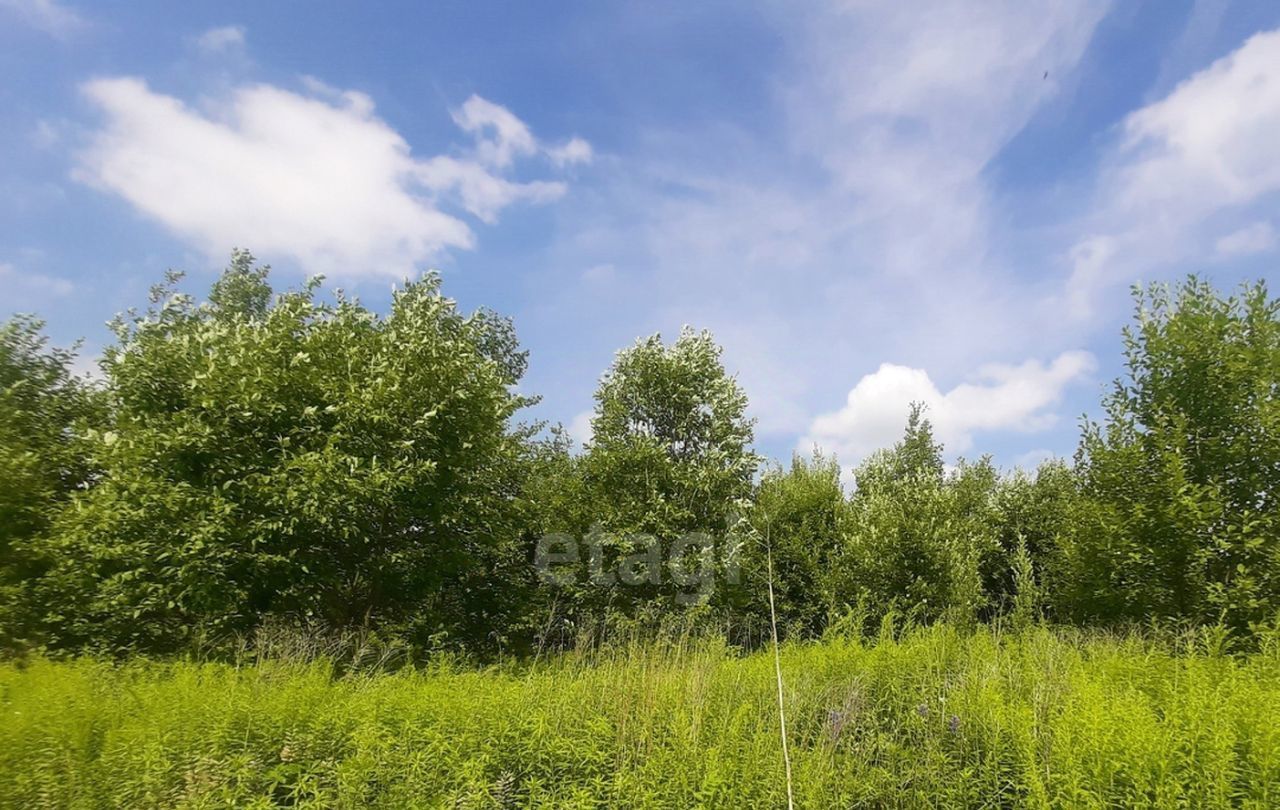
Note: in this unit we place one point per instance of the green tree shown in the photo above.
(44, 411)
(1032, 513)
(799, 513)
(285, 457)
(917, 457)
(1185, 468)
(918, 538)
(670, 454)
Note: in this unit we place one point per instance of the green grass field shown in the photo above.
(937, 718)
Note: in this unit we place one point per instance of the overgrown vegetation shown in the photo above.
(296, 459)
(291, 552)
(936, 718)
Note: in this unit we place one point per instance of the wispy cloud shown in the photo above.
(49, 16)
(318, 178)
(500, 136)
(863, 224)
(907, 105)
(222, 39)
(1206, 151)
(575, 150)
(28, 288)
(1258, 237)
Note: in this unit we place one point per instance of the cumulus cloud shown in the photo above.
(1212, 141)
(318, 178)
(1002, 398)
(1259, 237)
(1209, 146)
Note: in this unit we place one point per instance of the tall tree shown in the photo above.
(917, 538)
(1185, 468)
(671, 441)
(670, 452)
(44, 412)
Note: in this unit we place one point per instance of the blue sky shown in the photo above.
(867, 203)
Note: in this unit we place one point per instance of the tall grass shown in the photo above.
(937, 718)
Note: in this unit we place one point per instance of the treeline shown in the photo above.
(296, 460)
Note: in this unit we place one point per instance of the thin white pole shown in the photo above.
(777, 669)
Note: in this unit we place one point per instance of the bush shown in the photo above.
(1031, 514)
(799, 514)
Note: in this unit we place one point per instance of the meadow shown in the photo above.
(931, 717)
(291, 552)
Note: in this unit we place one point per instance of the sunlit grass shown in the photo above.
(938, 718)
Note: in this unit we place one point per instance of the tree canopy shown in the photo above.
(282, 456)
(259, 457)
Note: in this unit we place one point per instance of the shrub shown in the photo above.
(800, 515)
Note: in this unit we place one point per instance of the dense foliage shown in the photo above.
(934, 718)
(292, 458)
(295, 459)
(44, 413)
(789, 529)
(668, 466)
(1183, 478)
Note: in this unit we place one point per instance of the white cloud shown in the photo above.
(481, 192)
(1090, 263)
(1032, 459)
(907, 105)
(851, 218)
(47, 15)
(318, 178)
(1003, 398)
(88, 365)
(1212, 141)
(500, 136)
(575, 150)
(866, 224)
(220, 40)
(1259, 237)
(1209, 146)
